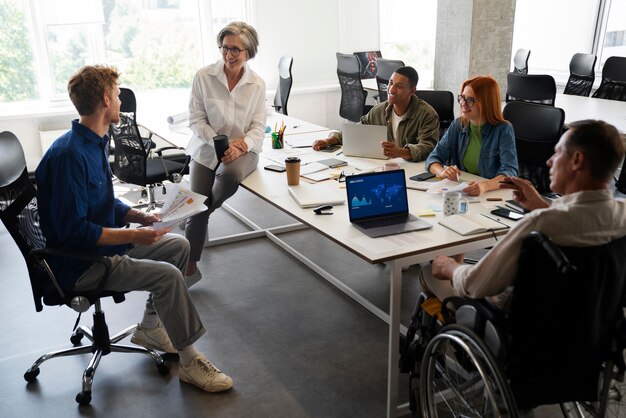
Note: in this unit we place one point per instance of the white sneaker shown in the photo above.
(204, 375)
(193, 278)
(153, 338)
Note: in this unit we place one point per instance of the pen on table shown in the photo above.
(295, 126)
(458, 178)
(339, 153)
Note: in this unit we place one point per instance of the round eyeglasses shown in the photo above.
(469, 101)
(234, 51)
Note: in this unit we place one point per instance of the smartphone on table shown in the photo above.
(422, 176)
(508, 214)
(275, 167)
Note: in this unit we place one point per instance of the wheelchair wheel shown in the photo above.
(612, 398)
(460, 378)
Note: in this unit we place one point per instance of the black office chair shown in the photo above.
(443, 103)
(368, 63)
(613, 84)
(534, 88)
(385, 69)
(284, 84)
(562, 340)
(581, 74)
(520, 61)
(353, 95)
(132, 163)
(537, 130)
(19, 214)
(620, 182)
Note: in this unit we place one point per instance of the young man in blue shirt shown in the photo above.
(79, 212)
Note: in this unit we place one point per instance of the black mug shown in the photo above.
(221, 145)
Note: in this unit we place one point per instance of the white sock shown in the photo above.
(150, 319)
(187, 354)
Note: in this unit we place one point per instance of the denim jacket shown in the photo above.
(497, 152)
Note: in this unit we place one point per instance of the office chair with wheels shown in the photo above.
(353, 96)
(520, 61)
(534, 88)
(384, 71)
(613, 84)
(284, 84)
(537, 130)
(132, 163)
(443, 103)
(581, 75)
(18, 211)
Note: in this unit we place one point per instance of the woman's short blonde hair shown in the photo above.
(247, 33)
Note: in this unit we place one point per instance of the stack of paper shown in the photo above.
(180, 204)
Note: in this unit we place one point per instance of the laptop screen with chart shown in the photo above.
(378, 204)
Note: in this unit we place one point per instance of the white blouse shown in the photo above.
(214, 110)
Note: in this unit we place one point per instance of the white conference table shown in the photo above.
(397, 251)
(582, 107)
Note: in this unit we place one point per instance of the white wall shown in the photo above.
(311, 31)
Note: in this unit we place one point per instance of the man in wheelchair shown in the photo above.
(561, 331)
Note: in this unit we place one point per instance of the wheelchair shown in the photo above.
(559, 340)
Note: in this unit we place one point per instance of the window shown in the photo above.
(555, 30)
(154, 43)
(407, 32)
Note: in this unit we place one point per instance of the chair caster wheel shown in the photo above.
(83, 398)
(76, 338)
(31, 375)
(163, 368)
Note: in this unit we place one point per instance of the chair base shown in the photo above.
(101, 345)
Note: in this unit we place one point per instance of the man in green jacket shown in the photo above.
(412, 124)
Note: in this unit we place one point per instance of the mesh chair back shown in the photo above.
(534, 88)
(443, 103)
(613, 84)
(577, 291)
(384, 72)
(581, 75)
(520, 61)
(353, 96)
(130, 152)
(284, 84)
(537, 130)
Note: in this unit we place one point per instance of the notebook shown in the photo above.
(364, 140)
(312, 195)
(378, 204)
(471, 224)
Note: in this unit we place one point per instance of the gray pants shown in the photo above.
(158, 269)
(218, 185)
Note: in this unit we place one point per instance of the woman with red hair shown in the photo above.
(480, 142)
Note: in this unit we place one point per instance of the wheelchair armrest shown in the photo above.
(562, 264)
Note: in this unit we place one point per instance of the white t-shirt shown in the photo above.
(395, 122)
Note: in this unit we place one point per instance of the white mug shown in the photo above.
(452, 203)
(391, 166)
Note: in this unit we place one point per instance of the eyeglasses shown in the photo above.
(234, 50)
(469, 101)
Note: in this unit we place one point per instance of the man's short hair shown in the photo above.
(410, 73)
(88, 86)
(601, 144)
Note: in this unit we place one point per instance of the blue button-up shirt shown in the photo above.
(497, 152)
(76, 201)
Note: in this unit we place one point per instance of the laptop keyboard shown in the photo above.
(377, 223)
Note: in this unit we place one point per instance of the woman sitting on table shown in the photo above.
(227, 98)
(480, 142)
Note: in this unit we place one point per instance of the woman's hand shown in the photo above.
(475, 188)
(450, 172)
(236, 148)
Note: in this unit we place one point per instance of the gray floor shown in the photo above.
(294, 345)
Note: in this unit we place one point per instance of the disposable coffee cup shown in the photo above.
(292, 164)
(221, 145)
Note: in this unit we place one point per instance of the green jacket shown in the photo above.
(419, 131)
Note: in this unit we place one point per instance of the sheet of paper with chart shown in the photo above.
(181, 203)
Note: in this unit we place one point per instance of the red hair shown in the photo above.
(487, 95)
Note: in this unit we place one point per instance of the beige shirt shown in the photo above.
(582, 219)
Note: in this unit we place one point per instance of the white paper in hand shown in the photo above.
(446, 185)
(180, 204)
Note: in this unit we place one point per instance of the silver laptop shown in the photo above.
(378, 204)
(363, 140)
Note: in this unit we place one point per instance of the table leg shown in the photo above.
(395, 283)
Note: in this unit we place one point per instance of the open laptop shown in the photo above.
(378, 204)
(363, 140)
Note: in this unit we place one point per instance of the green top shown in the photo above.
(472, 152)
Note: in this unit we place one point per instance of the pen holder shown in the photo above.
(277, 140)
